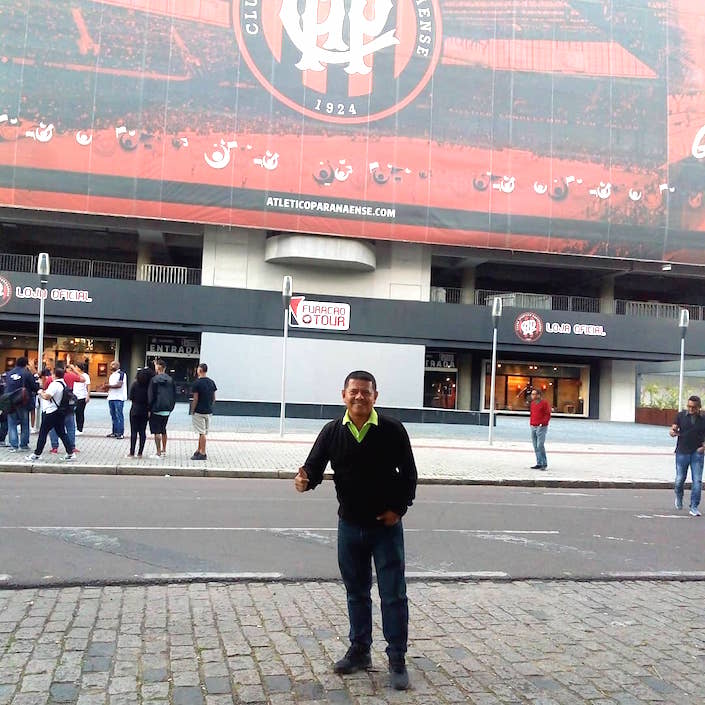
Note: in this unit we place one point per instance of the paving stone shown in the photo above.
(63, 692)
(218, 685)
(97, 664)
(154, 675)
(101, 648)
(187, 695)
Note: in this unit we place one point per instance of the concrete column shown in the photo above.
(467, 294)
(147, 239)
(137, 353)
(607, 294)
(618, 390)
(464, 363)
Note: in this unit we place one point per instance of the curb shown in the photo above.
(176, 471)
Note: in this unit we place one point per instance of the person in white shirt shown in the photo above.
(82, 390)
(53, 416)
(117, 394)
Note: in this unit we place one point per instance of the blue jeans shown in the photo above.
(117, 416)
(695, 461)
(70, 425)
(538, 438)
(357, 547)
(19, 417)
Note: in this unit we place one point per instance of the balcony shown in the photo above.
(158, 273)
(561, 302)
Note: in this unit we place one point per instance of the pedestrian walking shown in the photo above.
(3, 413)
(161, 395)
(73, 375)
(139, 410)
(375, 480)
(20, 377)
(117, 394)
(82, 390)
(53, 415)
(203, 397)
(689, 429)
(539, 416)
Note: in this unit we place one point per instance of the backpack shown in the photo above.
(10, 401)
(68, 400)
(164, 394)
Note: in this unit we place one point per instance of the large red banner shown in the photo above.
(573, 126)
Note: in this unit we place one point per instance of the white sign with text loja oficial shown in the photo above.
(323, 315)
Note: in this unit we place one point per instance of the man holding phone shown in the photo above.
(689, 429)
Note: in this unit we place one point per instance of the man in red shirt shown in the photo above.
(540, 415)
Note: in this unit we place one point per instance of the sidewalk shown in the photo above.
(580, 451)
(543, 643)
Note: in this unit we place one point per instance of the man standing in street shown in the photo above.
(201, 408)
(161, 398)
(117, 393)
(375, 482)
(689, 428)
(20, 377)
(73, 376)
(539, 416)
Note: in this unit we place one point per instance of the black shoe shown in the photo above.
(398, 675)
(544, 467)
(536, 467)
(110, 435)
(199, 456)
(356, 659)
(120, 437)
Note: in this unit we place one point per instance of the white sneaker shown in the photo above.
(694, 512)
(34, 456)
(68, 456)
(157, 457)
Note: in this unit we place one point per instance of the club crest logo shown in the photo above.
(528, 327)
(343, 61)
(5, 291)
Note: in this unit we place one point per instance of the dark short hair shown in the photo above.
(22, 361)
(361, 374)
(144, 374)
(696, 399)
(59, 371)
(159, 363)
(46, 372)
(203, 366)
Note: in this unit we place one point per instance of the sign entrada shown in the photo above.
(323, 315)
(174, 347)
(529, 327)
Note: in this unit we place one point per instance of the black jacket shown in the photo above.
(162, 393)
(370, 477)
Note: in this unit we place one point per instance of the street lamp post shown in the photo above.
(287, 285)
(496, 315)
(43, 268)
(683, 321)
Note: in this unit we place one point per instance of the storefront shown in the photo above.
(97, 353)
(566, 387)
(181, 356)
(440, 380)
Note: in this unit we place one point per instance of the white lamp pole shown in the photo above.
(496, 315)
(43, 269)
(287, 285)
(683, 321)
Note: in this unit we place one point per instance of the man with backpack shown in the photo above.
(73, 375)
(117, 394)
(19, 389)
(56, 400)
(161, 397)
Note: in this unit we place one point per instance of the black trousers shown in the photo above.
(54, 420)
(138, 426)
(80, 414)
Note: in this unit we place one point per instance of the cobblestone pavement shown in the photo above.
(544, 643)
(579, 451)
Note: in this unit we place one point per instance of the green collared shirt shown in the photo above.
(358, 435)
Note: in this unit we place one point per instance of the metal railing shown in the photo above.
(163, 274)
(562, 302)
(101, 269)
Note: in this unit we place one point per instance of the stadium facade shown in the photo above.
(405, 163)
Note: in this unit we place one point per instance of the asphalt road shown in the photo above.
(64, 529)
